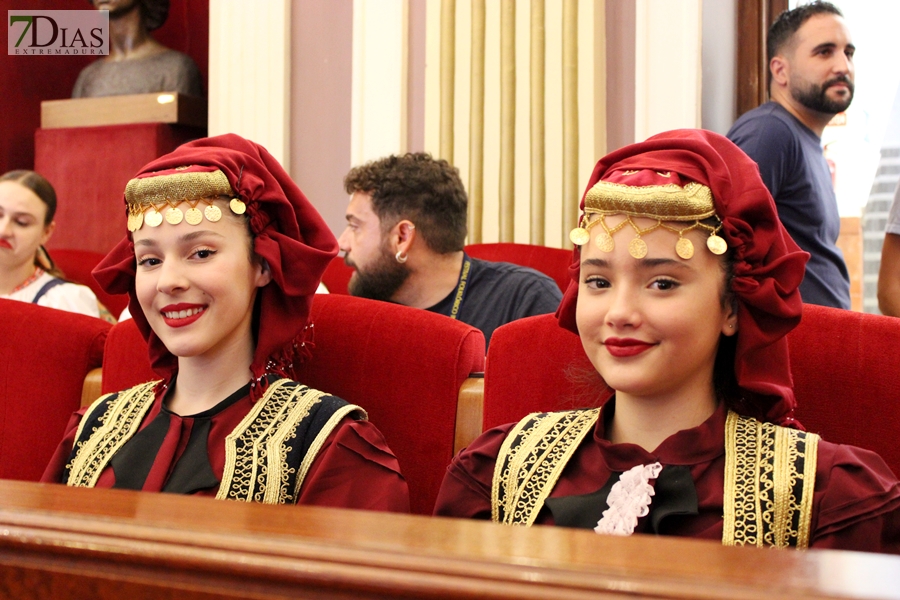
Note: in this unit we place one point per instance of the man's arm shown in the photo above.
(889, 276)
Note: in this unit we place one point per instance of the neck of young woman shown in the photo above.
(204, 381)
(648, 421)
(12, 278)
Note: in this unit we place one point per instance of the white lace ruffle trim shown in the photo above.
(629, 499)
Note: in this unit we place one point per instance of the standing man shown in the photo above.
(810, 80)
(406, 227)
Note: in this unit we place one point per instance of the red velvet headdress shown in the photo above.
(768, 268)
(289, 234)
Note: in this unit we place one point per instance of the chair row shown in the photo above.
(411, 370)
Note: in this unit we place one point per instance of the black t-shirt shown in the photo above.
(498, 292)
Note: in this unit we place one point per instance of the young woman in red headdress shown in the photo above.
(221, 261)
(685, 284)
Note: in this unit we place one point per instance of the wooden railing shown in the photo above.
(58, 542)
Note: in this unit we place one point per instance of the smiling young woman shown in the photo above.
(222, 257)
(685, 284)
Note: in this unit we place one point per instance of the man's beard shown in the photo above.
(380, 280)
(815, 97)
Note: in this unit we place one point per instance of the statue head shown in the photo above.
(153, 12)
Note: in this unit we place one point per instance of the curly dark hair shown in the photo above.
(417, 187)
(788, 22)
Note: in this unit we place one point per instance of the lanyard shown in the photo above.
(461, 286)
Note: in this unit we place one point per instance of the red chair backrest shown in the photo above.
(77, 266)
(403, 365)
(537, 366)
(45, 355)
(126, 360)
(337, 276)
(553, 262)
(846, 369)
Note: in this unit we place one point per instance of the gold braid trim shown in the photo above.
(119, 423)
(531, 459)
(770, 475)
(142, 193)
(669, 202)
(256, 452)
(317, 443)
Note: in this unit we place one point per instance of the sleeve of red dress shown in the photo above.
(54, 471)
(355, 469)
(466, 489)
(858, 501)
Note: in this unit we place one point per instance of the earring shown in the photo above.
(401, 258)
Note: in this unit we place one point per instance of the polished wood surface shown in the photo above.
(62, 542)
(120, 110)
(469, 412)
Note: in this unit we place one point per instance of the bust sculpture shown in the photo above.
(137, 63)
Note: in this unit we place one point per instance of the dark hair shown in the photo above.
(724, 378)
(44, 191)
(37, 184)
(786, 25)
(417, 187)
(153, 12)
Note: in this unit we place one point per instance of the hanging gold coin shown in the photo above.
(135, 221)
(153, 218)
(579, 236)
(193, 216)
(237, 206)
(716, 244)
(605, 242)
(637, 248)
(174, 216)
(213, 213)
(684, 248)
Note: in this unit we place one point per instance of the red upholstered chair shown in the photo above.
(537, 366)
(405, 366)
(77, 266)
(845, 365)
(44, 356)
(337, 276)
(846, 369)
(553, 262)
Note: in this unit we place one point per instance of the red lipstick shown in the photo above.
(192, 312)
(5, 244)
(624, 347)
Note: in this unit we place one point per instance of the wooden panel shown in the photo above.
(122, 110)
(753, 20)
(469, 412)
(62, 542)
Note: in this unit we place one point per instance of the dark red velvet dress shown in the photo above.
(354, 468)
(856, 505)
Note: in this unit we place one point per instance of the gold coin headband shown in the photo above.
(691, 204)
(151, 200)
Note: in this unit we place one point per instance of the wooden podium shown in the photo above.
(89, 148)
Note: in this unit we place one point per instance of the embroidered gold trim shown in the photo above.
(146, 191)
(317, 443)
(531, 459)
(119, 423)
(256, 452)
(669, 202)
(770, 476)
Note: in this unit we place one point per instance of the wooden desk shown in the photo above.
(57, 542)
